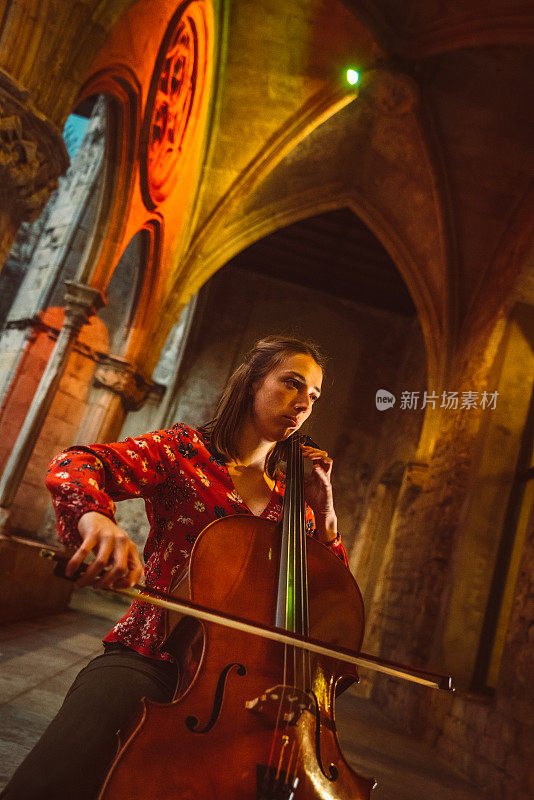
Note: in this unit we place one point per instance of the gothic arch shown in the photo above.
(123, 93)
(250, 229)
(129, 289)
(316, 110)
(133, 199)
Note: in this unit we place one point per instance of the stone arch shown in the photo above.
(130, 73)
(249, 230)
(48, 251)
(123, 292)
(89, 175)
(454, 563)
(316, 110)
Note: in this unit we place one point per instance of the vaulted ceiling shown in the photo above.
(335, 253)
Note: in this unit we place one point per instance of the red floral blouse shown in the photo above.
(184, 488)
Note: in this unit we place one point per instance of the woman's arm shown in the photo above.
(85, 482)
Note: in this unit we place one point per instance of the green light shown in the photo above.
(352, 77)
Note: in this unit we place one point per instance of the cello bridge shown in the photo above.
(282, 703)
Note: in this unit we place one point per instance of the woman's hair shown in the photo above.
(236, 401)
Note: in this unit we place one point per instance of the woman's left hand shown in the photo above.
(318, 492)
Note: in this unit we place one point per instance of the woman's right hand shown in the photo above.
(114, 552)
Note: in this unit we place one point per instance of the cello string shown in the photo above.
(277, 725)
(306, 656)
(296, 608)
(282, 724)
(288, 771)
(296, 560)
(285, 742)
(296, 496)
(289, 499)
(304, 569)
(295, 597)
(300, 570)
(301, 554)
(302, 588)
(300, 522)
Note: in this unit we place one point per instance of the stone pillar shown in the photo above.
(81, 303)
(32, 157)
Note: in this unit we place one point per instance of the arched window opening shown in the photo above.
(123, 291)
(168, 368)
(76, 126)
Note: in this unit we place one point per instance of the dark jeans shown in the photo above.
(71, 759)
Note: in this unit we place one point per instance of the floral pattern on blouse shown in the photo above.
(184, 488)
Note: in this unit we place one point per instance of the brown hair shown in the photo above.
(236, 400)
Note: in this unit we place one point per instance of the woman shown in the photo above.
(187, 478)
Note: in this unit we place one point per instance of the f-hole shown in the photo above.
(192, 722)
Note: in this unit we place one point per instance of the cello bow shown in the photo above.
(139, 593)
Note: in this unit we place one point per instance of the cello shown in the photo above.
(253, 716)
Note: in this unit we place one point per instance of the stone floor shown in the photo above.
(40, 658)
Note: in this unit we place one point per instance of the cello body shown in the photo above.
(253, 719)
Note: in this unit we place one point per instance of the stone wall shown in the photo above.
(59, 431)
(488, 734)
(491, 738)
(393, 437)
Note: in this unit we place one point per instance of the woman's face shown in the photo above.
(285, 397)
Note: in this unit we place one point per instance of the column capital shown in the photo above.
(120, 377)
(32, 153)
(81, 303)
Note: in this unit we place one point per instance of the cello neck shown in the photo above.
(292, 598)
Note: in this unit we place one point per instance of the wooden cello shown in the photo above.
(253, 717)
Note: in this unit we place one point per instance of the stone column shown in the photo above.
(32, 157)
(81, 303)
